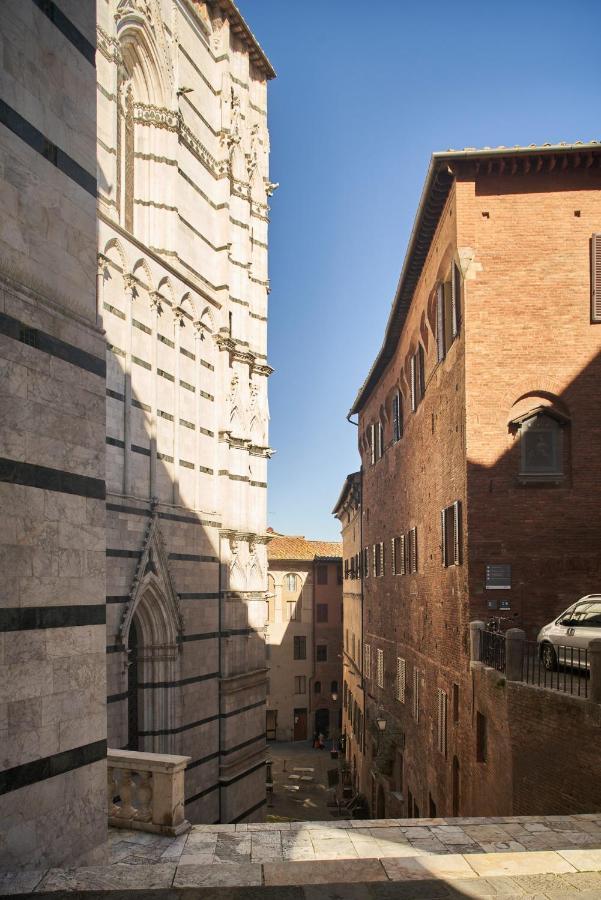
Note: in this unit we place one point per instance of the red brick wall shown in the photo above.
(543, 750)
(526, 331)
(527, 327)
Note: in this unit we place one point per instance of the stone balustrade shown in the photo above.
(145, 791)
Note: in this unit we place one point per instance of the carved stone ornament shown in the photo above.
(152, 573)
(156, 302)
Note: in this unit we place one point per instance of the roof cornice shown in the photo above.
(439, 180)
(240, 28)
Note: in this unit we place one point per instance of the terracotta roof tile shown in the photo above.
(284, 546)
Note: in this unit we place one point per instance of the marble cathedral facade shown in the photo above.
(182, 290)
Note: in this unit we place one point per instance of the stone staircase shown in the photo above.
(546, 856)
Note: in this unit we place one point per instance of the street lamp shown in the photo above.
(334, 696)
(381, 723)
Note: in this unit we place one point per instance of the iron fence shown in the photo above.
(492, 649)
(561, 668)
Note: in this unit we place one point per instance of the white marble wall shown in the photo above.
(183, 285)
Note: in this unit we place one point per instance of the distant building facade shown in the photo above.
(304, 638)
(348, 512)
(182, 294)
(480, 438)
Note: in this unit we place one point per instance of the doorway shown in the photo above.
(300, 725)
(132, 690)
(322, 722)
(381, 805)
(271, 724)
(455, 812)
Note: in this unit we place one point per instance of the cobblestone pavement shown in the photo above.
(541, 857)
(293, 798)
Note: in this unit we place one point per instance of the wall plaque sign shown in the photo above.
(498, 577)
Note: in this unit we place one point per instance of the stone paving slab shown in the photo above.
(396, 851)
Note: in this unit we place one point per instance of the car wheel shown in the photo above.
(548, 657)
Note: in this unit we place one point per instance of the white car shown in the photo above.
(564, 641)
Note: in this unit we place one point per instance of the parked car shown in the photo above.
(563, 641)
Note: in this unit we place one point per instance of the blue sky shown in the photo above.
(365, 92)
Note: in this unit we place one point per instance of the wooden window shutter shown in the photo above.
(393, 555)
(372, 443)
(442, 721)
(374, 562)
(456, 299)
(413, 385)
(457, 532)
(413, 550)
(443, 535)
(422, 371)
(400, 679)
(416, 695)
(440, 322)
(380, 668)
(382, 559)
(596, 278)
(403, 560)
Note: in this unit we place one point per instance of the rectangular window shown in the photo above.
(400, 679)
(321, 652)
(366, 562)
(596, 278)
(456, 299)
(322, 612)
(346, 568)
(380, 668)
(412, 540)
(292, 610)
(367, 660)
(481, 738)
(397, 417)
(415, 704)
(300, 684)
(451, 534)
(440, 348)
(455, 704)
(371, 439)
(414, 400)
(322, 574)
(300, 647)
(441, 721)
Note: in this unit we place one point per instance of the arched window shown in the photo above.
(290, 582)
(334, 687)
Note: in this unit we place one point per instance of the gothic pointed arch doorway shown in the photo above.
(153, 662)
(151, 630)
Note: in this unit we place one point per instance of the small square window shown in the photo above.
(321, 653)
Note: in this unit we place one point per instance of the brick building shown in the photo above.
(348, 512)
(479, 430)
(304, 638)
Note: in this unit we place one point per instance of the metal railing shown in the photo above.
(492, 649)
(567, 668)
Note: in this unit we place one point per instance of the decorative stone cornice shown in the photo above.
(249, 537)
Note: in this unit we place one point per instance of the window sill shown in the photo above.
(556, 479)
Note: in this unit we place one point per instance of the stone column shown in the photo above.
(129, 283)
(178, 322)
(102, 261)
(514, 653)
(475, 629)
(155, 304)
(594, 655)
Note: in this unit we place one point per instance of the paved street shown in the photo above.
(295, 799)
(535, 857)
